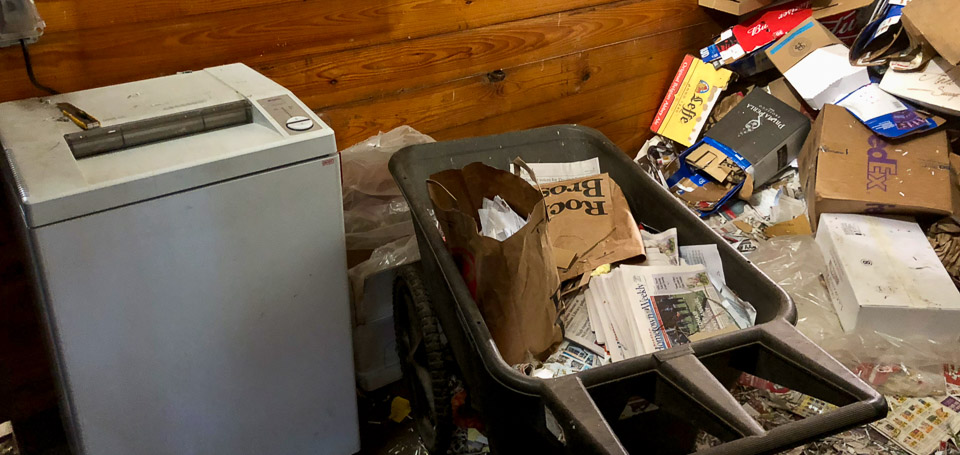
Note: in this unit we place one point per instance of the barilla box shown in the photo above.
(883, 276)
(846, 168)
(763, 130)
(689, 100)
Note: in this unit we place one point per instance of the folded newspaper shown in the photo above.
(637, 310)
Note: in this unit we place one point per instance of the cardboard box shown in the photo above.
(883, 275)
(936, 86)
(845, 168)
(764, 131)
(933, 21)
(689, 100)
(834, 9)
(816, 64)
(737, 7)
(782, 91)
(742, 46)
(755, 33)
(695, 187)
(844, 18)
(770, 25)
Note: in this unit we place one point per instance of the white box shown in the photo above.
(884, 276)
(375, 354)
(374, 343)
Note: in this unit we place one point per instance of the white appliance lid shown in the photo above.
(54, 185)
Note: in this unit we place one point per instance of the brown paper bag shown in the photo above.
(514, 282)
(590, 217)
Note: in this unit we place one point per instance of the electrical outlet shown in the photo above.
(19, 20)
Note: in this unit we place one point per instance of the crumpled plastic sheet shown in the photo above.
(770, 413)
(894, 366)
(407, 447)
(404, 250)
(374, 210)
(375, 215)
(463, 442)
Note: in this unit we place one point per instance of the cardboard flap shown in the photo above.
(934, 20)
(807, 37)
(590, 217)
(737, 7)
(711, 161)
(827, 8)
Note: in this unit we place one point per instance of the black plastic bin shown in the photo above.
(688, 384)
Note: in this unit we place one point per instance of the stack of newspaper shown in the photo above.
(636, 310)
(639, 309)
(676, 296)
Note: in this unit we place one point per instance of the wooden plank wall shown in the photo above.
(450, 68)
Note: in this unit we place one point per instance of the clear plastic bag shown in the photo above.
(895, 366)
(376, 216)
(374, 211)
(394, 254)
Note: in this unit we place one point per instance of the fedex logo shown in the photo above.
(879, 166)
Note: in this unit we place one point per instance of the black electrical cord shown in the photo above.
(29, 65)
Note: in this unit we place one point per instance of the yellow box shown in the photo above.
(689, 100)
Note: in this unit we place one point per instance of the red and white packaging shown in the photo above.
(845, 18)
(770, 25)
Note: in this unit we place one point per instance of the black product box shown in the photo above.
(764, 131)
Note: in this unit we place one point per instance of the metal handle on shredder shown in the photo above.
(97, 141)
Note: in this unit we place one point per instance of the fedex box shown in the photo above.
(883, 275)
(846, 168)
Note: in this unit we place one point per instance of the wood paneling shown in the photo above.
(451, 68)
(381, 70)
(631, 132)
(598, 107)
(82, 58)
(474, 98)
(67, 15)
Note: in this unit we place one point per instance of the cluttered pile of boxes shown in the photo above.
(777, 128)
(829, 119)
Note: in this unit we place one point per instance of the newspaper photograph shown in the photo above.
(661, 248)
(675, 305)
